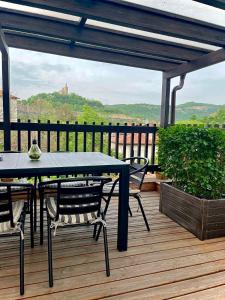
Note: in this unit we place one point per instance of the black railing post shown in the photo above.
(108, 135)
(153, 147)
(6, 91)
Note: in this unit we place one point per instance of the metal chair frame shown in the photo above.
(89, 194)
(6, 208)
(135, 169)
(36, 178)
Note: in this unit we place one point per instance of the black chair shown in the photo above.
(73, 206)
(51, 187)
(36, 178)
(138, 169)
(13, 208)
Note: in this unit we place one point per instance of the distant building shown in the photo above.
(136, 140)
(64, 91)
(13, 107)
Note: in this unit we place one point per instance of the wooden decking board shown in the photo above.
(166, 263)
(70, 244)
(137, 270)
(216, 293)
(158, 286)
(140, 268)
(83, 253)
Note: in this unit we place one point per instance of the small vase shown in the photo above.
(34, 152)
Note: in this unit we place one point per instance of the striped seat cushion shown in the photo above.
(69, 219)
(66, 184)
(5, 227)
(108, 186)
(13, 188)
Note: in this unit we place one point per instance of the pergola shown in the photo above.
(119, 33)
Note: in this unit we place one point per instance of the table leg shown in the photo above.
(41, 219)
(32, 218)
(123, 209)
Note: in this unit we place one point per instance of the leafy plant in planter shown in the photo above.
(194, 158)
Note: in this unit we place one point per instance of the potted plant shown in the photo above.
(194, 159)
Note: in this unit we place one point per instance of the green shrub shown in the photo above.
(194, 158)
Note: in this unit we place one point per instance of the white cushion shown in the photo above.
(108, 186)
(5, 227)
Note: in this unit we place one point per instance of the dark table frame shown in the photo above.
(19, 165)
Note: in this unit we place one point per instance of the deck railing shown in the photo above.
(117, 140)
(221, 126)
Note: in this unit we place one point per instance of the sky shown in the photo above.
(33, 72)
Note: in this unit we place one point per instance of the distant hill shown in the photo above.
(187, 110)
(216, 118)
(151, 112)
(72, 99)
(46, 105)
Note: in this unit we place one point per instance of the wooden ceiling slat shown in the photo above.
(214, 3)
(205, 61)
(136, 16)
(94, 35)
(90, 53)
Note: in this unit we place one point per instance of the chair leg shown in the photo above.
(106, 251)
(50, 268)
(35, 204)
(130, 212)
(32, 220)
(98, 233)
(22, 263)
(95, 230)
(100, 226)
(142, 211)
(41, 219)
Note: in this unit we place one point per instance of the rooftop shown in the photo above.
(11, 96)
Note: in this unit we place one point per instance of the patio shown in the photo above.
(168, 263)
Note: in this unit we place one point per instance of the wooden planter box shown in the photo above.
(204, 218)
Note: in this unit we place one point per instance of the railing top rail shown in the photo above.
(31, 126)
(221, 126)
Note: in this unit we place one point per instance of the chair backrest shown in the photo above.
(72, 200)
(6, 211)
(138, 169)
(10, 192)
(78, 200)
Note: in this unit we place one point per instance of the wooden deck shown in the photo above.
(167, 263)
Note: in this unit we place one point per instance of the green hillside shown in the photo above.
(217, 117)
(72, 99)
(151, 112)
(55, 106)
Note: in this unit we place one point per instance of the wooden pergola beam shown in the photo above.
(202, 62)
(214, 3)
(40, 44)
(6, 91)
(136, 16)
(10, 19)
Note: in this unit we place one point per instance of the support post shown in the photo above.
(173, 99)
(165, 101)
(6, 91)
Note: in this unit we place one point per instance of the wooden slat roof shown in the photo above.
(45, 32)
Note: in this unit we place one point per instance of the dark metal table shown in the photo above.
(64, 163)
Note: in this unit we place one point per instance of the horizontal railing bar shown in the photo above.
(153, 168)
(81, 128)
